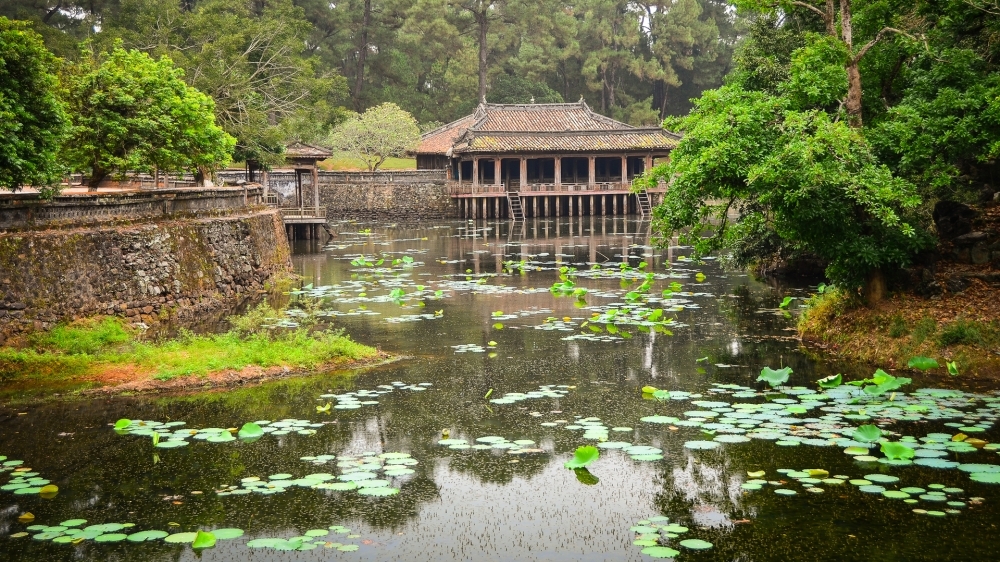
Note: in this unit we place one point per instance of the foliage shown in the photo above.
(775, 377)
(379, 133)
(959, 332)
(32, 118)
(292, 64)
(811, 179)
(132, 113)
(87, 348)
(508, 88)
(582, 457)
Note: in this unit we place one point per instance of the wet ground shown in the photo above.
(513, 376)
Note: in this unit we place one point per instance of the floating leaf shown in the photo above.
(922, 363)
(143, 536)
(867, 434)
(27, 517)
(660, 552)
(696, 544)
(225, 534)
(123, 423)
(582, 457)
(179, 538)
(832, 381)
(952, 368)
(774, 377)
(895, 450)
(250, 430)
(49, 490)
(498, 326)
(785, 302)
(649, 389)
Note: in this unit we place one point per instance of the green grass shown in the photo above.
(960, 332)
(88, 349)
(342, 161)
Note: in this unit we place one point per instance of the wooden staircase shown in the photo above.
(645, 208)
(514, 204)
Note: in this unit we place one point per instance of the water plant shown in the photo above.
(582, 457)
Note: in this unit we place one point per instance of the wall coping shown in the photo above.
(29, 211)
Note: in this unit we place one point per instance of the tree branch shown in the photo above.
(878, 37)
(810, 7)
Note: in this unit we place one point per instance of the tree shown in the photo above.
(32, 118)
(511, 89)
(810, 180)
(381, 132)
(131, 113)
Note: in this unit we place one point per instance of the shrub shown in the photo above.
(959, 332)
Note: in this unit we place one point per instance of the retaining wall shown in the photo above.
(175, 267)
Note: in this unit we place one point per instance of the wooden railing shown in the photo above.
(303, 212)
(466, 188)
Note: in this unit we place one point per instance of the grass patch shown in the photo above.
(898, 327)
(342, 161)
(93, 349)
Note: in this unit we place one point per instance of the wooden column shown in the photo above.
(614, 204)
(497, 179)
(475, 173)
(624, 169)
(534, 207)
(648, 163)
(315, 180)
(592, 209)
(558, 161)
(592, 165)
(524, 173)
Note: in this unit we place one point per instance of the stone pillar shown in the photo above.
(558, 161)
(624, 169)
(614, 205)
(592, 164)
(534, 207)
(524, 173)
(558, 206)
(475, 173)
(497, 178)
(592, 209)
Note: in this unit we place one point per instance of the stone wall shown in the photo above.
(27, 211)
(178, 267)
(398, 195)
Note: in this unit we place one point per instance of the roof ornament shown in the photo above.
(532, 99)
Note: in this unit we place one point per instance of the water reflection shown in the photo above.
(484, 505)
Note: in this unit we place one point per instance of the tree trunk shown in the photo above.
(359, 70)
(874, 290)
(853, 103)
(482, 19)
(96, 177)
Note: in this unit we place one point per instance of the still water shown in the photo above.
(490, 326)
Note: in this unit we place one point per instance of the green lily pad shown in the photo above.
(347, 547)
(700, 444)
(111, 537)
(660, 552)
(379, 492)
(203, 540)
(73, 522)
(142, 536)
(582, 457)
(227, 533)
(180, 538)
(696, 544)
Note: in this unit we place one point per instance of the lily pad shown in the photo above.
(660, 552)
(203, 540)
(582, 457)
(180, 538)
(142, 536)
(696, 544)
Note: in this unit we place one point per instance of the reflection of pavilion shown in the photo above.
(554, 159)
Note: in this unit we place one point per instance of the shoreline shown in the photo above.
(955, 327)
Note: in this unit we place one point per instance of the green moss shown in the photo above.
(960, 332)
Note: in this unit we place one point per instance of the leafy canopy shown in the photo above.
(381, 132)
(32, 118)
(133, 113)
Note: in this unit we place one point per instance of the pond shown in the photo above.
(458, 451)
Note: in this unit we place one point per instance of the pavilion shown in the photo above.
(543, 160)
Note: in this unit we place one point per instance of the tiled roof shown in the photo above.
(569, 127)
(635, 139)
(306, 151)
(440, 140)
